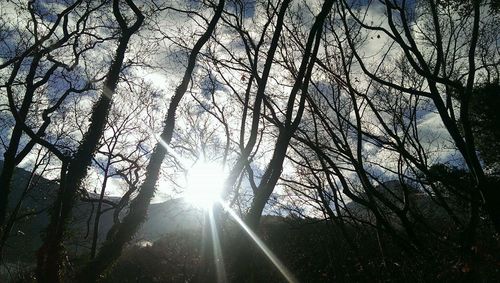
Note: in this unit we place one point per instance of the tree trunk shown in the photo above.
(273, 171)
(122, 233)
(11, 152)
(95, 231)
(50, 254)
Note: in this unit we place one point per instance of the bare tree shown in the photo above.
(448, 67)
(74, 170)
(122, 232)
(120, 155)
(35, 80)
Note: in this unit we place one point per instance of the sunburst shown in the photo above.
(205, 182)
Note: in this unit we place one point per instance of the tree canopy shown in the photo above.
(373, 124)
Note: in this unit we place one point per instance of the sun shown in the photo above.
(204, 184)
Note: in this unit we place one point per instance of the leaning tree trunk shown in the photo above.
(273, 171)
(50, 254)
(123, 232)
(275, 166)
(11, 155)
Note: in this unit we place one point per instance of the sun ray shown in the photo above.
(205, 181)
(270, 255)
(218, 258)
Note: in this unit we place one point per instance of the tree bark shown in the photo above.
(122, 233)
(50, 254)
(273, 171)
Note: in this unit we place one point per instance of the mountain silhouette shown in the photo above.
(33, 217)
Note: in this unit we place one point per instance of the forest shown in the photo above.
(249, 141)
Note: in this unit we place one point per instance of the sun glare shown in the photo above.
(205, 181)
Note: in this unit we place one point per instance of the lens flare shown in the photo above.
(218, 259)
(205, 182)
(270, 255)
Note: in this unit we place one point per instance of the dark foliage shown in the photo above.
(315, 252)
(485, 116)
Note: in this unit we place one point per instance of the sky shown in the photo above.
(155, 63)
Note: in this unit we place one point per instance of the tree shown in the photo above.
(122, 232)
(34, 66)
(119, 155)
(484, 119)
(366, 116)
(74, 169)
(439, 76)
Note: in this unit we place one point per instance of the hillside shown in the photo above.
(166, 217)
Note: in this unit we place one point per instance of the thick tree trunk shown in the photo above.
(4, 234)
(11, 152)
(259, 98)
(50, 254)
(98, 213)
(491, 194)
(273, 171)
(122, 233)
(7, 172)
